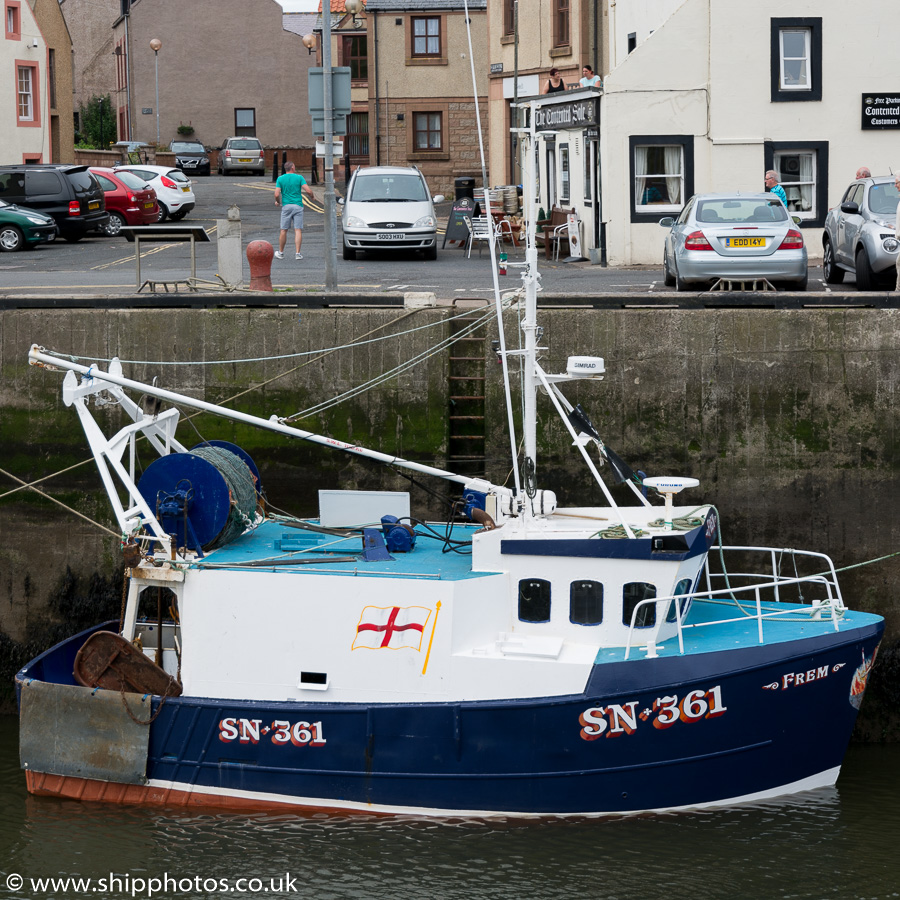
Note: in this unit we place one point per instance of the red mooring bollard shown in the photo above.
(260, 255)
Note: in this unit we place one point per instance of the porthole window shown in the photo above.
(534, 600)
(632, 594)
(683, 587)
(586, 602)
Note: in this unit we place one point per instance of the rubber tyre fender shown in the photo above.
(832, 273)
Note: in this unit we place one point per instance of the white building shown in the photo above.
(716, 95)
(24, 101)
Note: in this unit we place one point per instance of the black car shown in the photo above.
(69, 194)
(190, 157)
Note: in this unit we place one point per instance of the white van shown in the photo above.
(389, 208)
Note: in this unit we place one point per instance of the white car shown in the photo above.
(174, 191)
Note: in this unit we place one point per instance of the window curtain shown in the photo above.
(806, 175)
(640, 172)
(673, 173)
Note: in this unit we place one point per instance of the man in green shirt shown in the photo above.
(289, 191)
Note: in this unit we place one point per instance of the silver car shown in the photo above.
(389, 208)
(859, 234)
(241, 154)
(734, 236)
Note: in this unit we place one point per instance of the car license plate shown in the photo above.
(391, 236)
(745, 242)
(94, 205)
(245, 159)
(185, 189)
(148, 205)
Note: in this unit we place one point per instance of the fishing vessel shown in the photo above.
(536, 658)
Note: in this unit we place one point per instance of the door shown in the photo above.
(551, 177)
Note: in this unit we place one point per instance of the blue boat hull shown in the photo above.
(646, 734)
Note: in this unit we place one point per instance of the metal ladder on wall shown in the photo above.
(465, 444)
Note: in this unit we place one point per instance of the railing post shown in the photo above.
(759, 614)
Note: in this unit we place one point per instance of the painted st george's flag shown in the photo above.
(391, 627)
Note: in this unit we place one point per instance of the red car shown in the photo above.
(129, 200)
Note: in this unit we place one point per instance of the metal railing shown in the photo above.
(751, 595)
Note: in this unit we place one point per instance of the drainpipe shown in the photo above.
(128, 136)
(375, 74)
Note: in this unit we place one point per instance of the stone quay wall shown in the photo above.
(789, 419)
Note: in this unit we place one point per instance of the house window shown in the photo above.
(563, 173)
(509, 16)
(426, 37)
(662, 170)
(633, 594)
(427, 131)
(51, 76)
(560, 23)
(25, 85)
(245, 123)
(355, 56)
(796, 51)
(358, 134)
(13, 22)
(632, 41)
(534, 600)
(802, 169)
(586, 603)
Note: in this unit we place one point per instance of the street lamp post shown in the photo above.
(155, 46)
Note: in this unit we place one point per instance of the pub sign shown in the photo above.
(881, 110)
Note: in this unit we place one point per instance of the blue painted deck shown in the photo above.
(740, 632)
(278, 542)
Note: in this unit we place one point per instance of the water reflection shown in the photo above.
(837, 843)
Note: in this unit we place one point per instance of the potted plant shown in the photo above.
(186, 130)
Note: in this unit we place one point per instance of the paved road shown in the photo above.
(106, 265)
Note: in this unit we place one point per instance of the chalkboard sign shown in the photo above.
(457, 230)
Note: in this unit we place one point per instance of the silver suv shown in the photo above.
(241, 154)
(859, 234)
(389, 208)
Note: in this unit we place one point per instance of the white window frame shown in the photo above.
(639, 189)
(25, 93)
(788, 185)
(806, 58)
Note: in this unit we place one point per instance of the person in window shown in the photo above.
(652, 195)
(863, 172)
(773, 187)
(554, 83)
(588, 78)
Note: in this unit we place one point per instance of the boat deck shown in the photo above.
(298, 551)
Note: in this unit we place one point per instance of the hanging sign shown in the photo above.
(880, 111)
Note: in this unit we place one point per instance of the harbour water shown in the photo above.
(838, 843)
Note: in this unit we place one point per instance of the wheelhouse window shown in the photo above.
(426, 37)
(802, 170)
(560, 23)
(586, 602)
(245, 122)
(427, 131)
(683, 587)
(534, 600)
(796, 51)
(632, 594)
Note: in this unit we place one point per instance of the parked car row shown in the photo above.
(40, 201)
(739, 237)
